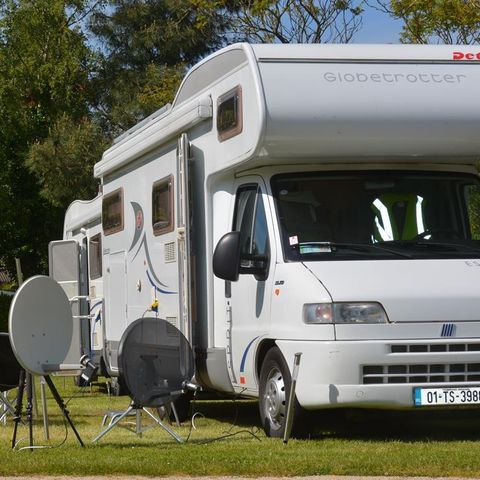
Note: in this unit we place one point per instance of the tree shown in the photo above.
(298, 21)
(63, 162)
(44, 71)
(437, 21)
(75, 73)
(146, 45)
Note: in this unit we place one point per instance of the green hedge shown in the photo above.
(5, 301)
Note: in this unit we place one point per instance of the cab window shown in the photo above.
(250, 220)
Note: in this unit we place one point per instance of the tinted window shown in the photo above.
(162, 206)
(229, 114)
(95, 256)
(420, 214)
(112, 212)
(251, 222)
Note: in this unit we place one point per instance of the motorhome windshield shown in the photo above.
(381, 215)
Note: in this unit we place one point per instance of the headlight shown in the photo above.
(344, 312)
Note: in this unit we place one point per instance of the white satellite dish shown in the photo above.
(41, 326)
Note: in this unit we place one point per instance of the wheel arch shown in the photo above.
(265, 345)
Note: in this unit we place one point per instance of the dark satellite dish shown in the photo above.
(155, 362)
(9, 367)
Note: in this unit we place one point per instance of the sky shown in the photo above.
(378, 27)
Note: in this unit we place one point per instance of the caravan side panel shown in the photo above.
(140, 257)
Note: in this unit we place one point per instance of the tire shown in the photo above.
(117, 387)
(275, 382)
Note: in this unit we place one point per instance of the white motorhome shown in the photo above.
(321, 199)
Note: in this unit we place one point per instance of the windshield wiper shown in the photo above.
(355, 246)
(427, 243)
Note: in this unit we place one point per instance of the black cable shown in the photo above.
(235, 418)
(223, 437)
(228, 433)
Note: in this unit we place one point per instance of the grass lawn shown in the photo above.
(362, 444)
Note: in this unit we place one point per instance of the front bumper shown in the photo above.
(379, 374)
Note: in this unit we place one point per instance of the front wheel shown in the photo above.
(275, 383)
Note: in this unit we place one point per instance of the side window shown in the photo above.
(162, 206)
(95, 256)
(112, 212)
(250, 220)
(229, 114)
(472, 201)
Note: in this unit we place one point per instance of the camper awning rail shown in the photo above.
(155, 134)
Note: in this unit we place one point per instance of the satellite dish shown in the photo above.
(9, 367)
(155, 361)
(40, 325)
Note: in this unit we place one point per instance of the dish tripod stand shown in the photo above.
(137, 410)
(25, 384)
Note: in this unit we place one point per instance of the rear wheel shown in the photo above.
(275, 383)
(118, 387)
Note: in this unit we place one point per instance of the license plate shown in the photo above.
(446, 396)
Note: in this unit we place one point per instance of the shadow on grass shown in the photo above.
(403, 426)
(357, 424)
(234, 415)
(240, 413)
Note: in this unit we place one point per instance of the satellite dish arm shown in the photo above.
(186, 386)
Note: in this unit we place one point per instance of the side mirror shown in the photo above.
(226, 258)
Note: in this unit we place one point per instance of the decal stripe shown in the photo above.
(159, 289)
(149, 261)
(245, 353)
(137, 213)
(95, 305)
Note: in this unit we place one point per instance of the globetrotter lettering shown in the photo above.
(358, 77)
(466, 56)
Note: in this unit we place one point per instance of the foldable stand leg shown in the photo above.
(7, 406)
(112, 424)
(44, 409)
(62, 407)
(18, 406)
(167, 429)
(29, 409)
(138, 422)
(175, 414)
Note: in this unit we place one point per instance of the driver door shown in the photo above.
(249, 298)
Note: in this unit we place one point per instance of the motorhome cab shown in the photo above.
(321, 199)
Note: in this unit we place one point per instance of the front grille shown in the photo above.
(434, 347)
(421, 373)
